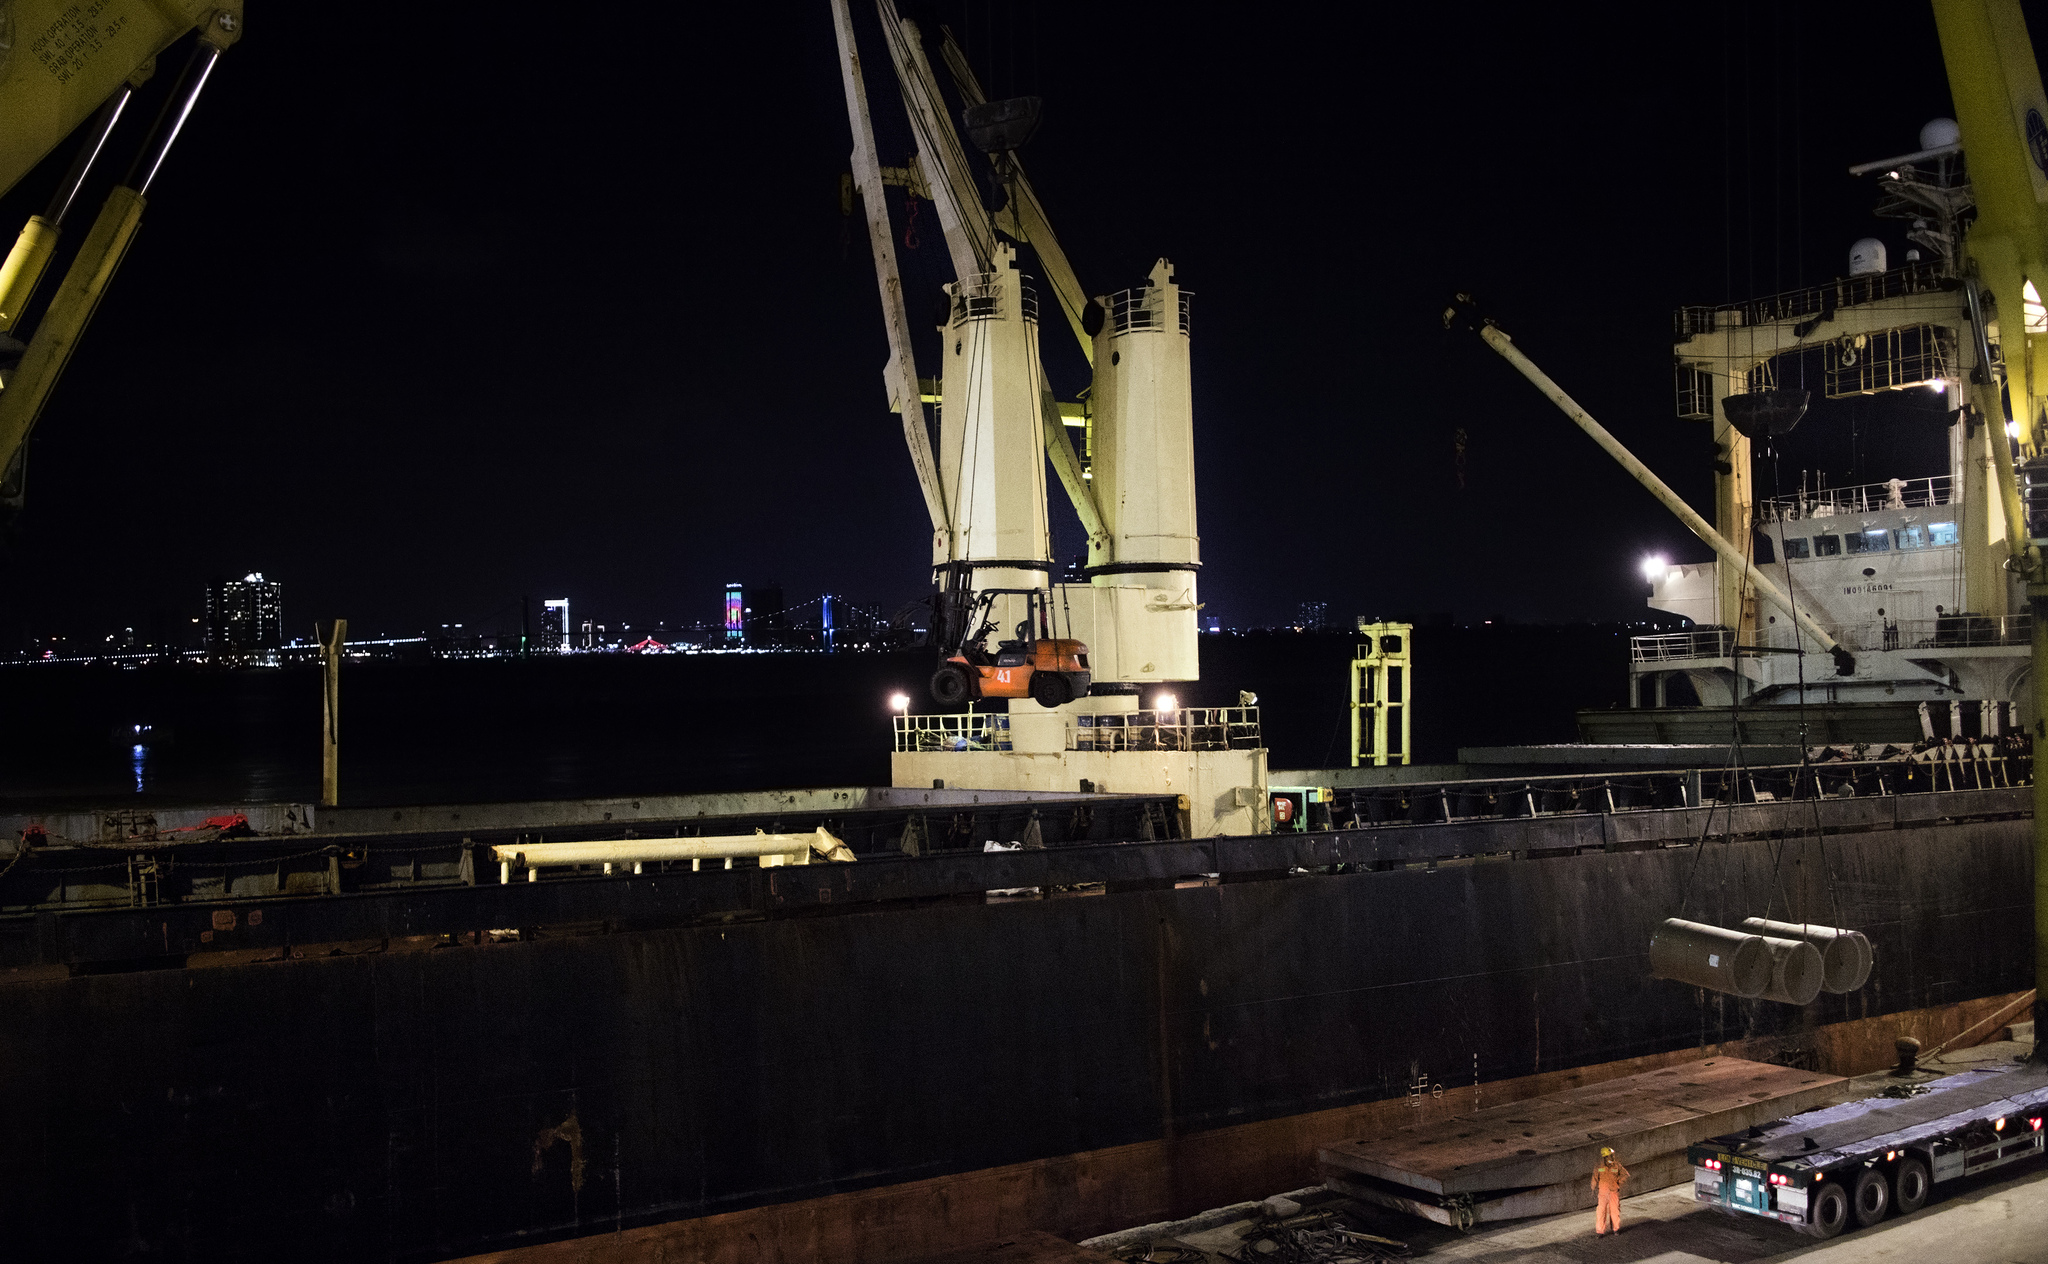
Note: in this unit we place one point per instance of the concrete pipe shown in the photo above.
(1845, 955)
(1796, 971)
(1710, 957)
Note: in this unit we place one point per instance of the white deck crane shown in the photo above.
(984, 480)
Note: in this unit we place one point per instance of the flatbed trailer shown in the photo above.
(1851, 1164)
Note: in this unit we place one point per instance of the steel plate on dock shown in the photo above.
(1557, 1138)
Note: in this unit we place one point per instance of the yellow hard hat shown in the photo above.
(1606, 1152)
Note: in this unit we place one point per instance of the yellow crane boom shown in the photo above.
(2003, 113)
(67, 61)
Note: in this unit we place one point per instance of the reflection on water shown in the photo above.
(139, 757)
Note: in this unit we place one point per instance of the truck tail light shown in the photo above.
(2036, 1124)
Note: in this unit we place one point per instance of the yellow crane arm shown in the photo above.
(69, 57)
(2003, 113)
(67, 60)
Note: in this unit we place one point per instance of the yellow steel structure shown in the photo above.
(2003, 113)
(1380, 681)
(67, 61)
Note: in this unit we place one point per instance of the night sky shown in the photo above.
(434, 314)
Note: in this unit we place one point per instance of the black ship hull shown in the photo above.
(879, 1022)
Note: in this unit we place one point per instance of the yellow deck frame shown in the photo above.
(1381, 678)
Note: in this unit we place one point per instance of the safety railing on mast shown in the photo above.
(980, 297)
(1812, 300)
(1144, 308)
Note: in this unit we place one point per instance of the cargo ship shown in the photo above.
(1088, 961)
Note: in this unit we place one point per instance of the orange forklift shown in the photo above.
(1035, 665)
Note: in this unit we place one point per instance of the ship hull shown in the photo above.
(431, 1103)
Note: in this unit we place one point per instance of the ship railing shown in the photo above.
(1951, 764)
(1905, 493)
(1668, 646)
(963, 731)
(1184, 728)
(1187, 729)
(1954, 631)
(1924, 277)
(1944, 632)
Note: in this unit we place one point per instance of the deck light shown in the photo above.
(1998, 1125)
(1165, 703)
(899, 702)
(1655, 567)
(2012, 429)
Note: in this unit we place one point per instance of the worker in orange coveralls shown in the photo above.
(1608, 1179)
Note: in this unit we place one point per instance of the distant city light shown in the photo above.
(1655, 567)
(899, 702)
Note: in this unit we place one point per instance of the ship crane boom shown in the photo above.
(1845, 663)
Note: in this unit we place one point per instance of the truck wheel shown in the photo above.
(1871, 1197)
(1050, 689)
(950, 685)
(1909, 1186)
(1830, 1211)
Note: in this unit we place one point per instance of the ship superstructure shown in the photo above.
(1907, 574)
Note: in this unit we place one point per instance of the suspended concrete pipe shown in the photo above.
(772, 850)
(1846, 955)
(1796, 971)
(1705, 956)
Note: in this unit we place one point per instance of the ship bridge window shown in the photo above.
(1827, 545)
(1765, 553)
(1878, 540)
(1797, 547)
(1942, 533)
(1912, 537)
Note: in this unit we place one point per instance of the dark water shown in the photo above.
(585, 726)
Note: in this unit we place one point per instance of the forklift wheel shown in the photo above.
(1050, 689)
(950, 685)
